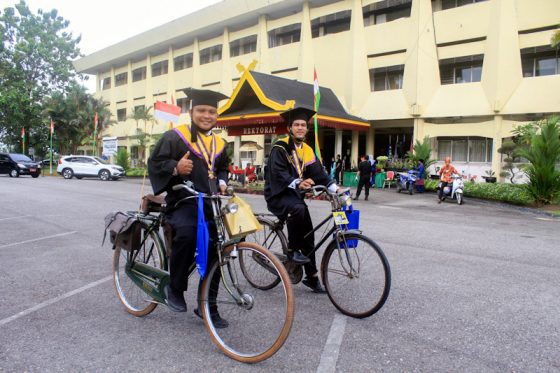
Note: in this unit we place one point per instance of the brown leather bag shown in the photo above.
(125, 230)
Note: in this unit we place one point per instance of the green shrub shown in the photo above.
(509, 193)
(543, 153)
(137, 172)
(122, 159)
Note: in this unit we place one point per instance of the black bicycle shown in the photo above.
(354, 269)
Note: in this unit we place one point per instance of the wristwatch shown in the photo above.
(175, 172)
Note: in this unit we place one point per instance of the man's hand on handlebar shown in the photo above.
(306, 184)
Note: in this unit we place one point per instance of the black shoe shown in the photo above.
(367, 198)
(314, 284)
(218, 322)
(175, 300)
(298, 258)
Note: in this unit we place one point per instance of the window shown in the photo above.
(139, 74)
(121, 115)
(386, 78)
(465, 149)
(183, 103)
(159, 68)
(243, 46)
(461, 69)
(106, 83)
(210, 54)
(183, 62)
(121, 79)
(386, 11)
(284, 35)
(540, 61)
(448, 4)
(331, 24)
(139, 108)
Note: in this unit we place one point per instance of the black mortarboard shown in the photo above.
(202, 97)
(297, 113)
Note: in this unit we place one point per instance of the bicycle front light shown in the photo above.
(231, 208)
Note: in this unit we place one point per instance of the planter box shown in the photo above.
(349, 179)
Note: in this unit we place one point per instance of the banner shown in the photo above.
(110, 146)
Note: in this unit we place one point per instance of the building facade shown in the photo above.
(464, 73)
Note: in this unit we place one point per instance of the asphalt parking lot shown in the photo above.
(475, 289)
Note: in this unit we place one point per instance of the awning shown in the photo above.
(250, 146)
(258, 99)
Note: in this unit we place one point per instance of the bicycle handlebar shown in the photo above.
(319, 189)
(189, 186)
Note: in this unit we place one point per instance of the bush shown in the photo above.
(122, 159)
(544, 153)
(137, 172)
(510, 193)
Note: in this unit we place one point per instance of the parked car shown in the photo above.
(87, 166)
(15, 164)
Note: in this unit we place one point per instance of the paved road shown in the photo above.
(475, 288)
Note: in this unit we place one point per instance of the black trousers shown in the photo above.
(363, 182)
(184, 223)
(299, 224)
(440, 190)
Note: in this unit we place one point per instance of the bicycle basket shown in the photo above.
(353, 217)
(242, 222)
(124, 230)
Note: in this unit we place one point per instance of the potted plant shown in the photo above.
(490, 178)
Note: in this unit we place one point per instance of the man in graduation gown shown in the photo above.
(292, 168)
(189, 153)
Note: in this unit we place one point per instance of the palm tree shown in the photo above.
(142, 113)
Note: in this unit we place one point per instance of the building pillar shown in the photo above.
(338, 143)
(418, 134)
(354, 155)
(262, 47)
(370, 141)
(236, 150)
(226, 78)
(306, 61)
(497, 144)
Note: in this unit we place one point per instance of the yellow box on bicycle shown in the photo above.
(242, 222)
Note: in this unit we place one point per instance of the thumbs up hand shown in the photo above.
(185, 165)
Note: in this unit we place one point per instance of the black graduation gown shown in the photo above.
(280, 173)
(163, 160)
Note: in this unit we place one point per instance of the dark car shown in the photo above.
(15, 164)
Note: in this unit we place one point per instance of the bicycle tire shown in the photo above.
(134, 299)
(252, 335)
(271, 239)
(344, 288)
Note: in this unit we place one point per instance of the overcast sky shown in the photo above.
(105, 22)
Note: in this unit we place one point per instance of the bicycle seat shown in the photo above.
(151, 203)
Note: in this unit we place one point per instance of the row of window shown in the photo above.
(536, 61)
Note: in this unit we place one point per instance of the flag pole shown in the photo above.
(316, 100)
(52, 130)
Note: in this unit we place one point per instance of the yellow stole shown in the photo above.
(207, 147)
(300, 157)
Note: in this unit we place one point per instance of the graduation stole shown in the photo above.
(208, 148)
(300, 158)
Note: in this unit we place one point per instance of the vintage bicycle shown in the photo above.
(259, 321)
(354, 269)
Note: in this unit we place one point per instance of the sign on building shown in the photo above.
(110, 145)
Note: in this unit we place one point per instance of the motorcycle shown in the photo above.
(455, 190)
(406, 181)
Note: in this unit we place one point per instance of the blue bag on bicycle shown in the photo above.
(353, 217)
(202, 240)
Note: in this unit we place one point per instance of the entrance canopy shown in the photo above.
(258, 99)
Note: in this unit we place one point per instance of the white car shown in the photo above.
(87, 166)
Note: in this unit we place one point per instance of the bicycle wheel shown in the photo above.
(259, 321)
(356, 275)
(133, 298)
(272, 239)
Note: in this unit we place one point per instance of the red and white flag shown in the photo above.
(52, 126)
(168, 112)
(23, 132)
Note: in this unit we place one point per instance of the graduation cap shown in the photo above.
(202, 97)
(297, 113)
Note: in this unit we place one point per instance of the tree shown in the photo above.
(544, 153)
(36, 56)
(511, 150)
(142, 113)
(422, 150)
(73, 113)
